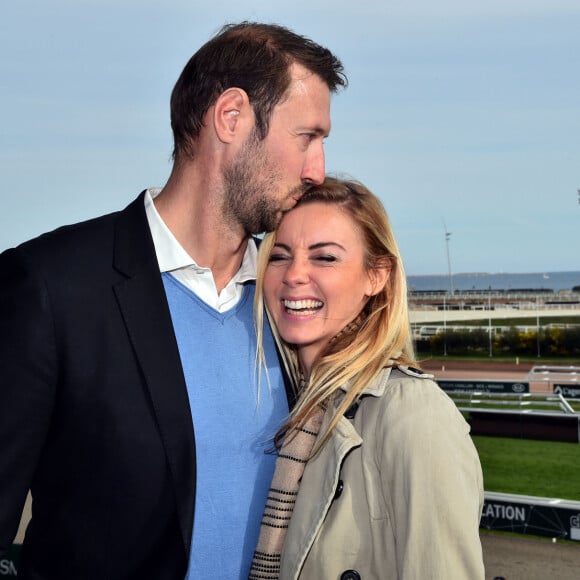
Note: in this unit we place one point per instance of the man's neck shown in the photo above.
(194, 215)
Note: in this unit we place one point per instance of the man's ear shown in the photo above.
(232, 114)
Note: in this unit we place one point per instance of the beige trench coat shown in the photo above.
(396, 493)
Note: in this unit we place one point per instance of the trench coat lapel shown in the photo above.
(320, 481)
(142, 300)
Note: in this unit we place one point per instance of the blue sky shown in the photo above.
(461, 115)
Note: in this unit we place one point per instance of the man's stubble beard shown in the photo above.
(251, 184)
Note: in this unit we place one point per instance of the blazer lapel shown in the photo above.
(143, 303)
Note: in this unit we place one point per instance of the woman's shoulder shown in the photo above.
(408, 391)
(406, 381)
(411, 409)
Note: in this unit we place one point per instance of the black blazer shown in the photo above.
(94, 414)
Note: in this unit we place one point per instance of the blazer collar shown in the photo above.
(143, 303)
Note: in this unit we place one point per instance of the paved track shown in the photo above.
(498, 371)
(523, 558)
(492, 370)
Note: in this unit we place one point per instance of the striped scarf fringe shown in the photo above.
(290, 465)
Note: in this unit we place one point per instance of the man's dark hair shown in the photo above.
(254, 57)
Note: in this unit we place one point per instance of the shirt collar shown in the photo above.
(172, 256)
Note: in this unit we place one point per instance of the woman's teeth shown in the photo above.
(302, 307)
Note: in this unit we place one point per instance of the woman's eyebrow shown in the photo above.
(319, 245)
(315, 246)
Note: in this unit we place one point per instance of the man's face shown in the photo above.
(268, 177)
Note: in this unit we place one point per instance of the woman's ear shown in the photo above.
(378, 277)
(232, 115)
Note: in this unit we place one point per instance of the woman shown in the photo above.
(389, 482)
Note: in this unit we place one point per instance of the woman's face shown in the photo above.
(315, 282)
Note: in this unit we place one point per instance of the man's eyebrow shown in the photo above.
(321, 131)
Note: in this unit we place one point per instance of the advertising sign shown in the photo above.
(481, 386)
(8, 562)
(553, 518)
(567, 390)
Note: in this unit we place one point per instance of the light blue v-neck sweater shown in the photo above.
(233, 430)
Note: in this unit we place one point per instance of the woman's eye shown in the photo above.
(277, 257)
(326, 258)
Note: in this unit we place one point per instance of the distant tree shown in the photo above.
(565, 341)
(553, 342)
(509, 342)
(528, 342)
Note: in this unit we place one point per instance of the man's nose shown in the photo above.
(314, 169)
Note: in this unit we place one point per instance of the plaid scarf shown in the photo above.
(290, 465)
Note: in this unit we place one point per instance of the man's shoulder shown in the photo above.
(72, 237)
(88, 248)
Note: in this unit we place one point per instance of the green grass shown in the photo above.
(529, 467)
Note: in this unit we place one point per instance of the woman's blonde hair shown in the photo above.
(379, 337)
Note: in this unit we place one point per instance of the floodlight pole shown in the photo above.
(489, 328)
(444, 326)
(447, 238)
(538, 324)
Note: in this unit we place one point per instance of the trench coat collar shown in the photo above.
(376, 388)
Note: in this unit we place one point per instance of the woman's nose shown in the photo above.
(296, 273)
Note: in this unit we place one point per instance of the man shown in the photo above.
(130, 405)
